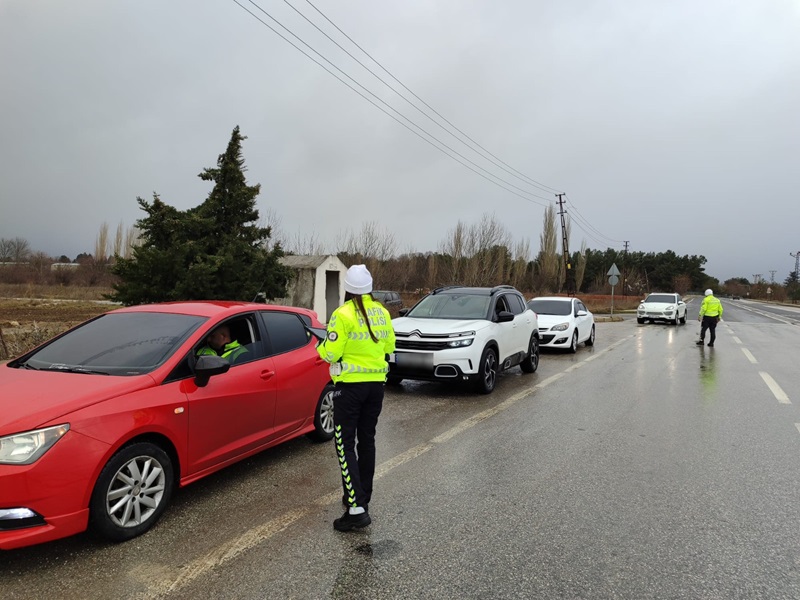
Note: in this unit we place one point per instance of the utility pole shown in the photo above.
(569, 279)
(624, 270)
(756, 278)
(796, 256)
(772, 276)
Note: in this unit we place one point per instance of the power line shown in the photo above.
(580, 221)
(524, 197)
(498, 162)
(586, 221)
(586, 229)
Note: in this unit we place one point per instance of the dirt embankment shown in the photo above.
(26, 323)
(24, 312)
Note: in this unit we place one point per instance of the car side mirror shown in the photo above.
(403, 312)
(208, 366)
(317, 332)
(581, 313)
(504, 316)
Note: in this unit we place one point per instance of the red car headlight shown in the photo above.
(27, 447)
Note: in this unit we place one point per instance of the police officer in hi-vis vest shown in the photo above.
(710, 313)
(360, 336)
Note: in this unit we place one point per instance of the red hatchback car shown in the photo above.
(98, 425)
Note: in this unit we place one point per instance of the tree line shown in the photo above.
(223, 249)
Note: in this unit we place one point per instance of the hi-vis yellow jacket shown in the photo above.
(349, 348)
(711, 307)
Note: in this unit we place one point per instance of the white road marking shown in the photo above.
(749, 356)
(798, 426)
(737, 340)
(768, 315)
(775, 388)
(260, 533)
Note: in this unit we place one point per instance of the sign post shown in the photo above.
(613, 279)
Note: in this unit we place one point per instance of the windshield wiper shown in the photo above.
(67, 369)
(26, 366)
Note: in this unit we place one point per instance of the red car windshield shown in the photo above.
(115, 344)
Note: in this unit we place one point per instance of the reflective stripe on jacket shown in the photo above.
(229, 352)
(349, 348)
(711, 307)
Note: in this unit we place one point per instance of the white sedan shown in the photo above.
(662, 307)
(563, 322)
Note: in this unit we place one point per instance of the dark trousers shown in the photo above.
(709, 323)
(356, 407)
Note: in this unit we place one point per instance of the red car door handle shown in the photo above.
(267, 375)
(318, 362)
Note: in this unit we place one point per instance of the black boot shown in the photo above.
(348, 522)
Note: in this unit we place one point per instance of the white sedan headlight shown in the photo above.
(560, 327)
(26, 448)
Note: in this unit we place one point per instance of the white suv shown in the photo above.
(662, 307)
(465, 334)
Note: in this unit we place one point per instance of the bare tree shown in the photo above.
(682, 283)
(5, 250)
(303, 244)
(271, 220)
(519, 266)
(40, 263)
(487, 250)
(548, 252)
(454, 247)
(17, 250)
(101, 244)
(432, 276)
(372, 246)
(119, 240)
(131, 241)
(580, 267)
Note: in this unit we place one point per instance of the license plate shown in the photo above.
(414, 360)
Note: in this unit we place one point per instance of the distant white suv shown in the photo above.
(662, 307)
(465, 334)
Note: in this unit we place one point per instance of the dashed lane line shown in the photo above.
(749, 356)
(737, 340)
(775, 388)
(261, 533)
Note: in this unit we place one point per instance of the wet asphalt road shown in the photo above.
(645, 467)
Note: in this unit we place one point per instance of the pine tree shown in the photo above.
(215, 251)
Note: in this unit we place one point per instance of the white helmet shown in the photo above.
(709, 292)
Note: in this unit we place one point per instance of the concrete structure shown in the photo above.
(318, 283)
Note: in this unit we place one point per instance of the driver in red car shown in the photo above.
(219, 343)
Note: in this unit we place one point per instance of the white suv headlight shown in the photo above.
(670, 307)
(26, 448)
(560, 327)
(460, 343)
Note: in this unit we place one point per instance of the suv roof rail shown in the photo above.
(497, 288)
(445, 287)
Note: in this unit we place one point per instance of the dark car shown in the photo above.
(390, 300)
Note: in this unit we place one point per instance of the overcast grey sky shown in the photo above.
(671, 124)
